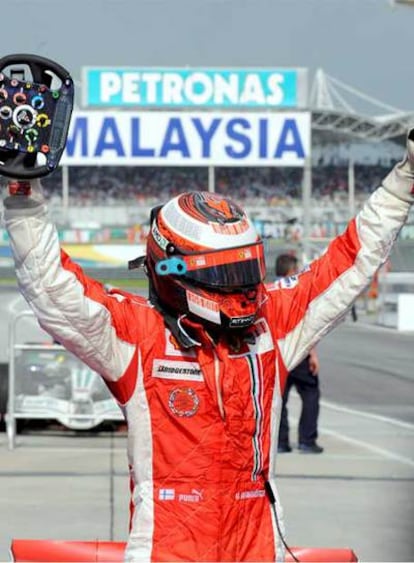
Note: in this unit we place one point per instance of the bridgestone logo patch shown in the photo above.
(170, 369)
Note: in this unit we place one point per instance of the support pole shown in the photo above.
(306, 204)
(65, 193)
(211, 179)
(351, 187)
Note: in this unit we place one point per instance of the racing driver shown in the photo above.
(200, 367)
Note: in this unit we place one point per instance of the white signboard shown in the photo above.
(188, 138)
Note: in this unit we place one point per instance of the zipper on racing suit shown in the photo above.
(218, 386)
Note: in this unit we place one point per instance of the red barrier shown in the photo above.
(57, 551)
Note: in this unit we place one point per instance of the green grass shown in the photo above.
(129, 283)
(8, 281)
(121, 283)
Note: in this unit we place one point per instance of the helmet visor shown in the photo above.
(230, 268)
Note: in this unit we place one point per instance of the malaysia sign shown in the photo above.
(188, 139)
(186, 88)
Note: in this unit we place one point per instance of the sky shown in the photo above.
(364, 43)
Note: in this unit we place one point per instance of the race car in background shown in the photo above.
(51, 383)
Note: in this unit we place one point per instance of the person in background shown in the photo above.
(305, 378)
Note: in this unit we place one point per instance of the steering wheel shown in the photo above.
(36, 102)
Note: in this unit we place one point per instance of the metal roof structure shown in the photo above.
(336, 119)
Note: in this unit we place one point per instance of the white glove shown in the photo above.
(24, 194)
(400, 181)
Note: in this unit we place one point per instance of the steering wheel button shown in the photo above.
(31, 135)
(38, 102)
(24, 116)
(19, 98)
(42, 120)
(6, 112)
(13, 130)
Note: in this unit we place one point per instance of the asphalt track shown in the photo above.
(359, 493)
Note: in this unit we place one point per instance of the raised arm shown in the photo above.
(308, 306)
(73, 308)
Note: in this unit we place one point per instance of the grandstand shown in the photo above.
(347, 126)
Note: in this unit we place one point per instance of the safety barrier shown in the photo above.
(85, 551)
(48, 382)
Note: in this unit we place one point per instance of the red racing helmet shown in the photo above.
(206, 260)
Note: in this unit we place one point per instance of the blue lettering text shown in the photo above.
(80, 127)
(289, 140)
(174, 128)
(263, 138)
(113, 142)
(206, 134)
(136, 149)
(239, 137)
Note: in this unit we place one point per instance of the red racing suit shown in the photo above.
(202, 420)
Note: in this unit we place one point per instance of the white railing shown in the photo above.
(396, 300)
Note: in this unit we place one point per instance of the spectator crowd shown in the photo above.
(107, 185)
